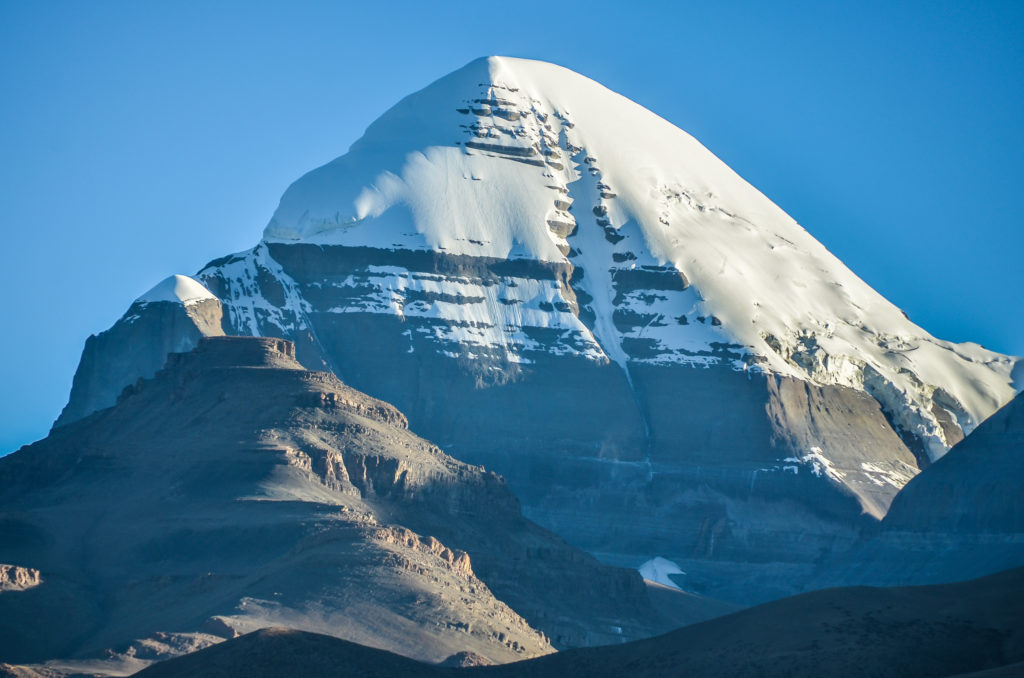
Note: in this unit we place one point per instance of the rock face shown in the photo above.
(961, 517)
(558, 284)
(170, 318)
(900, 633)
(15, 578)
(237, 490)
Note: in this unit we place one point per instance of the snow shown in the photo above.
(444, 170)
(658, 570)
(179, 289)
(894, 477)
(470, 307)
(247, 306)
(818, 464)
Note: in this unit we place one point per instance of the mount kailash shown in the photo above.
(556, 283)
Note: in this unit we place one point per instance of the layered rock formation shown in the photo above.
(237, 490)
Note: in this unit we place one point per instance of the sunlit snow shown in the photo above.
(658, 570)
(178, 289)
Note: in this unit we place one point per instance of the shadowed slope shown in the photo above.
(962, 517)
(899, 632)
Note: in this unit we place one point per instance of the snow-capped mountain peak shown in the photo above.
(520, 159)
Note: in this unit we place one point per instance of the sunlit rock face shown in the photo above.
(554, 282)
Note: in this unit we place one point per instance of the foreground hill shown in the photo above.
(899, 632)
(236, 490)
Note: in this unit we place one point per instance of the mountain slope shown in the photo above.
(556, 283)
(978, 487)
(919, 631)
(961, 517)
(236, 490)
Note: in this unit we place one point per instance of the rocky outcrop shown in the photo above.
(236, 490)
(16, 578)
(841, 434)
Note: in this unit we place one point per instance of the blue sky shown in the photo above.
(143, 139)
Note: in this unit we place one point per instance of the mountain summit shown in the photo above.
(511, 158)
(554, 282)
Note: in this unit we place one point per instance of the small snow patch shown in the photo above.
(818, 464)
(658, 570)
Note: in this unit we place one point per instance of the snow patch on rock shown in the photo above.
(246, 304)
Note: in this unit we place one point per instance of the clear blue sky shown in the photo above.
(140, 139)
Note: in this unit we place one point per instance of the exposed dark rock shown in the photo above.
(526, 152)
(612, 235)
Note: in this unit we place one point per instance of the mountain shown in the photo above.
(961, 517)
(900, 632)
(554, 282)
(977, 488)
(236, 490)
(170, 318)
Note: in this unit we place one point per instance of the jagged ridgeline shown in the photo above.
(554, 282)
